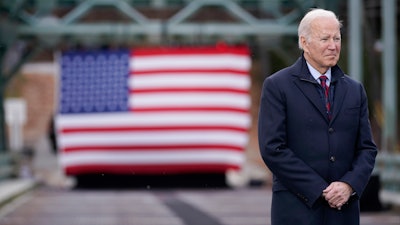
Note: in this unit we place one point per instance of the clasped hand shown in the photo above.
(337, 194)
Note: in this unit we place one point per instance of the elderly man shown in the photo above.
(314, 132)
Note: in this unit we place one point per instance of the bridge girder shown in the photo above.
(49, 27)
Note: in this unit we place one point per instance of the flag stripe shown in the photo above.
(185, 72)
(133, 169)
(189, 109)
(152, 157)
(153, 128)
(163, 161)
(174, 62)
(189, 99)
(199, 147)
(190, 90)
(153, 138)
(195, 80)
(198, 50)
(202, 118)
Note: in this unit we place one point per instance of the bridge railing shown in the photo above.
(7, 166)
(388, 168)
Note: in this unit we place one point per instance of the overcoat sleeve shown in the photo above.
(358, 176)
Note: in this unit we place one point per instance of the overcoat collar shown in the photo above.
(306, 83)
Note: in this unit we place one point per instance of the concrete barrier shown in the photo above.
(7, 166)
(388, 168)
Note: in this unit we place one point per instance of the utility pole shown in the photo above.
(355, 41)
(389, 59)
(3, 139)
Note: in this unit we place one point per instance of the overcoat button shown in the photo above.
(330, 130)
(332, 159)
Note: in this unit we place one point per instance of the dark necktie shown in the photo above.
(325, 87)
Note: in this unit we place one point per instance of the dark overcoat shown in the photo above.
(306, 151)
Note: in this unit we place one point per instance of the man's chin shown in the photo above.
(332, 62)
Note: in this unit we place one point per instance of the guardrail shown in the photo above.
(388, 166)
(7, 166)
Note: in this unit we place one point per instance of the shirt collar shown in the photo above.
(316, 74)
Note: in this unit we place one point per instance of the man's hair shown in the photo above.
(304, 28)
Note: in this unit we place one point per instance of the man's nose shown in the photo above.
(332, 44)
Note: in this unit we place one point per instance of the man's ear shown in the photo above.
(303, 42)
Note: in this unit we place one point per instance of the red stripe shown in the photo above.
(189, 109)
(203, 50)
(184, 72)
(150, 169)
(153, 147)
(188, 90)
(150, 128)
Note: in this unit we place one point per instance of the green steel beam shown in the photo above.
(88, 5)
(389, 59)
(355, 39)
(44, 7)
(194, 6)
(176, 25)
(156, 28)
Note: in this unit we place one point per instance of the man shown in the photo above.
(314, 133)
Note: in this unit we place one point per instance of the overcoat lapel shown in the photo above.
(308, 88)
(340, 91)
(304, 81)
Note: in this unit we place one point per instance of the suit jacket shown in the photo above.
(306, 151)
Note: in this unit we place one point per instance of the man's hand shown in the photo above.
(337, 194)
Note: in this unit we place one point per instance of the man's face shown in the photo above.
(322, 49)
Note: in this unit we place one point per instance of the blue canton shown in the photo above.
(94, 81)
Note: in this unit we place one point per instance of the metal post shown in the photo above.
(15, 109)
(389, 59)
(355, 40)
(3, 139)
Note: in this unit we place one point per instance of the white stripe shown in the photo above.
(240, 101)
(147, 149)
(180, 62)
(153, 119)
(224, 80)
(150, 157)
(150, 138)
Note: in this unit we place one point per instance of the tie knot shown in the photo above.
(323, 78)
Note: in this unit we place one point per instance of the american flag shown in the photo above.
(153, 110)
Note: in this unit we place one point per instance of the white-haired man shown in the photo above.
(314, 132)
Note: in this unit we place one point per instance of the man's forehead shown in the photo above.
(323, 22)
(327, 27)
